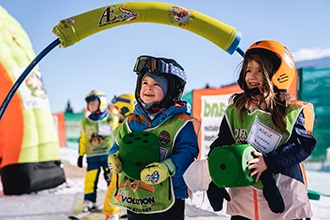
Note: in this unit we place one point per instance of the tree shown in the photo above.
(68, 108)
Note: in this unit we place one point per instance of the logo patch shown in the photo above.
(164, 137)
(180, 15)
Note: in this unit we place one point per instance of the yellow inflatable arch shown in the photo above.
(35, 146)
(30, 146)
(76, 28)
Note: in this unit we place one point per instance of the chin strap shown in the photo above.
(151, 108)
(254, 92)
(98, 115)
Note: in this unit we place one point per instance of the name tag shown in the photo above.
(263, 138)
(105, 130)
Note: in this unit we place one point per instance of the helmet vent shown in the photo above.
(283, 78)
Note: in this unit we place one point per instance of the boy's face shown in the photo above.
(151, 91)
(93, 106)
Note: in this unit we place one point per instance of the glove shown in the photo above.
(80, 161)
(115, 163)
(216, 196)
(271, 192)
(107, 175)
(156, 173)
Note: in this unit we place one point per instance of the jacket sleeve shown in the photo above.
(82, 141)
(224, 137)
(118, 134)
(299, 146)
(185, 149)
(114, 148)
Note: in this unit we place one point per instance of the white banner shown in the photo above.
(212, 112)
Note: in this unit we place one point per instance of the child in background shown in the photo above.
(96, 138)
(124, 105)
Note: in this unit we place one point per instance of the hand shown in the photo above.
(156, 173)
(271, 192)
(107, 175)
(80, 161)
(115, 163)
(257, 165)
(216, 196)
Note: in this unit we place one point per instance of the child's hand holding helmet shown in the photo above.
(115, 164)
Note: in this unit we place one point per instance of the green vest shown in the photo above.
(99, 136)
(257, 129)
(137, 196)
(242, 127)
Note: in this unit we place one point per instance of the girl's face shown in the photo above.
(151, 91)
(93, 106)
(254, 76)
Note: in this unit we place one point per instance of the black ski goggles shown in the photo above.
(155, 65)
(91, 98)
(151, 65)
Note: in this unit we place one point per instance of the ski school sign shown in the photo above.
(212, 111)
(208, 106)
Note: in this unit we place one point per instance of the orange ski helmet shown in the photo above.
(284, 67)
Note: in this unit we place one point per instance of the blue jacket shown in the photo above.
(185, 148)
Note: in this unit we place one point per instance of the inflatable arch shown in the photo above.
(76, 28)
(33, 147)
(29, 148)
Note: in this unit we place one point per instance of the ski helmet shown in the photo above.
(173, 71)
(101, 96)
(283, 64)
(125, 104)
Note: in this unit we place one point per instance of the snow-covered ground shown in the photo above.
(57, 204)
(318, 181)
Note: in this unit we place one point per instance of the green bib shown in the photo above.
(135, 195)
(241, 131)
(99, 136)
(147, 145)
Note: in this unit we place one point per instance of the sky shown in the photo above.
(105, 60)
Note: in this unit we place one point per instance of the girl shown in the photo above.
(279, 127)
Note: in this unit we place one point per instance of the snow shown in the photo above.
(58, 203)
